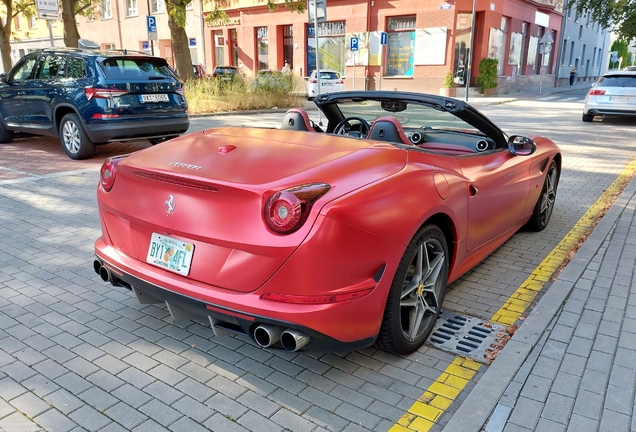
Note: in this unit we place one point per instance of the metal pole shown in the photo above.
(152, 44)
(354, 72)
(317, 55)
(467, 69)
(381, 64)
(48, 23)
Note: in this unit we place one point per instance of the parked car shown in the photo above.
(322, 241)
(200, 71)
(614, 94)
(227, 74)
(330, 82)
(630, 68)
(88, 97)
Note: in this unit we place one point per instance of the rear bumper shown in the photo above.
(611, 112)
(232, 313)
(114, 130)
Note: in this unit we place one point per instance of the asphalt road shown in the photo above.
(76, 352)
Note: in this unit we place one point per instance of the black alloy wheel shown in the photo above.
(417, 293)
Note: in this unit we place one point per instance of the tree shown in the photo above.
(176, 23)
(13, 8)
(618, 15)
(621, 47)
(70, 10)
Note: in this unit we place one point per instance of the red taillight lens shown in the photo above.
(102, 93)
(313, 81)
(108, 172)
(287, 210)
(104, 116)
(319, 299)
(596, 92)
(180, 91)
(340, 82)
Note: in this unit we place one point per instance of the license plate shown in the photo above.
(157, 97)
(326, 84)
(170, 254)
(621, 98)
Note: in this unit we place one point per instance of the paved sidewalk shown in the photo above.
(571, 366)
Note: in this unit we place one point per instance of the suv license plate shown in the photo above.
(157, 97)
(170, 254)
(621, 98)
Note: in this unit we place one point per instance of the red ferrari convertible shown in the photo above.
(307, 239)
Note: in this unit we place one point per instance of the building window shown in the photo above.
(108, 46)
(158, 6)
(33, 23)
(401, 46)
(571, 53)
(288, 45)
(131, 8)
(583, 55)
(581, 32)
(564, 49)
(262, 47)
(331, 45)
(594, 58)
(105, 10)
(16, 22)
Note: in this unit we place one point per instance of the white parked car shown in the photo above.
(330, 82)
(613, 95)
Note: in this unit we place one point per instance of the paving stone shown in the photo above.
(125, 415)
(55, 421)
(526, 413)
(89, 419)
(536, 388)
(98, 398)
(588, 404)
(557, 408)
(160, 412)
(580, 423)
(221, 423)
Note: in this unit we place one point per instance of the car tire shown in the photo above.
(155, 141)
(545, 204)
(75, 142)
(417, 293)
(6, 135)
(588, 118)
(309, 98)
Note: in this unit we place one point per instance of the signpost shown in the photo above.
(151, 24)
(354, 46)
(384, 39)
(48, 10)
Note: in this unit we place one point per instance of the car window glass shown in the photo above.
(131, 69)
(76, 68)
(618, 81)
(53, 66)
(23, 72)
(329, 75)
(225, 70)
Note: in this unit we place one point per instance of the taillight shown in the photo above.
(316, 299)
(340, 82)
(180, 91)
(104, 116)
(108, 172)
(103, 93)
(596, 92)
(313, 81)
(287, 210)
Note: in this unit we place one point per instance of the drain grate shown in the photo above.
(468, 336)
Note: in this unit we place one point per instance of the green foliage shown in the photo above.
(487, 78)
(620, 46)
(617, 15)
(213, 95)
(448, 80)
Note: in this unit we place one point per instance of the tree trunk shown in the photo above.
(180, 45)
(71, 34)
(5, 38)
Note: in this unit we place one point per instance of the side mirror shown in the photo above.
(3, 77)
(521, 146)
(306, 78)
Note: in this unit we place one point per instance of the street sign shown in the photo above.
(151, 23)
(384, 38)
(354, 44)
(444, 6)
(320, 9)
(48, 9)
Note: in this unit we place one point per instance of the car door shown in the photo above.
(498, 184)
(45, 89)
(13, 93)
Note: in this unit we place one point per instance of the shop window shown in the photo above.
(401, 46)
(331, 43)
(262, 46)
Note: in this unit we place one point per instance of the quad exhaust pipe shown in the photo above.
(293, 340)
(103, 272)
(267, 335)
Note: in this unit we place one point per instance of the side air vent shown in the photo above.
(482, 145)
(416, 138)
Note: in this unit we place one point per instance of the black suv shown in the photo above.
(89, 97)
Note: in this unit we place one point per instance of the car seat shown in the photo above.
(388, 129)
(297, 119)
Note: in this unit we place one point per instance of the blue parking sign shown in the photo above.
(384, 38)
(354, 44)
(151, 23)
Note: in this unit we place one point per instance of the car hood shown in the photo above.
(210, 188)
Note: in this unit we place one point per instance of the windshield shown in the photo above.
(618, 81)
(410, 115)
(136, 68)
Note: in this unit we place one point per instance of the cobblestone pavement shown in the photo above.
(77, 354)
